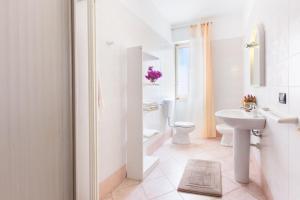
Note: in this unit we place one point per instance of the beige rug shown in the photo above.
(202, 177)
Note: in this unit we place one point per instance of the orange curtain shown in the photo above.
(209, 124)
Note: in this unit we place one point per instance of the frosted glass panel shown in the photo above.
(182, 71)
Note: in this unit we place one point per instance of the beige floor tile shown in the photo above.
(127, 183)
(107, 197)
(255, 190)
(162, 154)
(162, 183)
(202, 156)
(170, 196)
(156, 173)
(220, 153)
(157, 187)
(228, 185)
(239, 194)
(130, 193)
(172, 165)
(227, 164)
(187, 196)
(229, 174)
(174, 178)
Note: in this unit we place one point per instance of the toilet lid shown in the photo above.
(184, 124)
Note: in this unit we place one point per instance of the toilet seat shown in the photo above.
(184, 124)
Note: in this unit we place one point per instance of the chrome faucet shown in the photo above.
(250, 107)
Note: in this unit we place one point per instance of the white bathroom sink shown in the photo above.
(240, 119)
(242, 122)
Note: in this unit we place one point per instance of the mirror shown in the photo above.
(256, 46)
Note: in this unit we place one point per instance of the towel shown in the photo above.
(150, 106)
(148, 133)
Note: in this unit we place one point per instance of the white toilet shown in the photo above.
(227, 134)
(181, 129)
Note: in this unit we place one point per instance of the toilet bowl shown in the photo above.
(227, 134)
(182, 131)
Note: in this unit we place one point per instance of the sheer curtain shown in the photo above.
(196, 78)
(202, 80)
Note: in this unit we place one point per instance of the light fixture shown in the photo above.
(252, 45)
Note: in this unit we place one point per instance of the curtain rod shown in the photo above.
(179, 26)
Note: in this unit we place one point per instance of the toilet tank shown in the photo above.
(168, 108)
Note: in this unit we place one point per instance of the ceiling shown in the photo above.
(184, 11)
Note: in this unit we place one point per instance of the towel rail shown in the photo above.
(279, 118)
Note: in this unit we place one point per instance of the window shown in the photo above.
(182, 71)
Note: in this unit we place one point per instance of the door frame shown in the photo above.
(93, 101)
(92, 190)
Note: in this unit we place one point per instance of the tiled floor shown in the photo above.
(161, 184)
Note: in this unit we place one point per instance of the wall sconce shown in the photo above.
(252, 45)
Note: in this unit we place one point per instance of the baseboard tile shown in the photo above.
(266, 188)
(264, 183)
(158, 143)
(112, 182)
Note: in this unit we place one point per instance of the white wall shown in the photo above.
(227, 57)
(280, 151)
(147, 11)
(115, 22)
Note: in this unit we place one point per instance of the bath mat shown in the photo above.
(202, 177)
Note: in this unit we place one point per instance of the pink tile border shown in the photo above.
(266, 188)
(158, 143)
(112, 182)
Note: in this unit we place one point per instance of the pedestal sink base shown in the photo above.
(242, 122)
(241, 147)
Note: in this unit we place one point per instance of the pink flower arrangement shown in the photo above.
(152, 75)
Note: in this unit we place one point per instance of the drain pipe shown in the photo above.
(257, 145)
(256, 133)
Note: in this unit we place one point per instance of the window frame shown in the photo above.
(177, 47)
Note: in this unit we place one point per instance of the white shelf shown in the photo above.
(151, 84)
(138, 164)
(148, 57)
